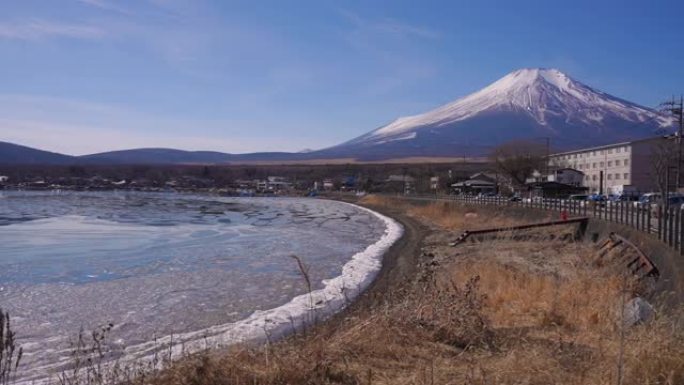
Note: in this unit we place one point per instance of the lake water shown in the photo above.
(206, 270)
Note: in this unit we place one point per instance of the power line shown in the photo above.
(677, 109)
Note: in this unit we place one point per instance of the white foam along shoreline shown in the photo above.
(301, 312)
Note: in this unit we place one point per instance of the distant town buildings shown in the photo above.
(557, 183)
(403, 182)
(479, 183)
(620, 168)
(569, 176)
(328, 184)
(434, 183)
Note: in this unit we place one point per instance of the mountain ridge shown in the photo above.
(530, 103)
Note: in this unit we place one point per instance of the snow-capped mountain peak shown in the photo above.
(547, 95)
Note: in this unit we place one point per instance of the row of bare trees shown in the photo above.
(518, 160)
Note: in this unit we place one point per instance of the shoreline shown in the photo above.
(275, 324)
(364, 269)
(399, 263)
(509, 309)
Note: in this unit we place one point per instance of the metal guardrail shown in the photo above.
(667, 224)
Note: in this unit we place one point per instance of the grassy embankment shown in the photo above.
(503, 311)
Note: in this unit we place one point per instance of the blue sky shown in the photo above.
(82, 76)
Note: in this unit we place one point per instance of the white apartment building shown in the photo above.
(624, 167)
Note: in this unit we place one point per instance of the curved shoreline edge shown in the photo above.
(300, 312)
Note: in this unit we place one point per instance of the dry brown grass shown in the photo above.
(584, 301)
(561, 323)
(655, 352)
(503, 311)
(476, 320)
(447, 215)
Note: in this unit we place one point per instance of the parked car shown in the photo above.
(578, 197)
(575, 200)
(628, 198)
(674, 201)
(617, 200)
(646, 200)
(534, 200)
(597, 198)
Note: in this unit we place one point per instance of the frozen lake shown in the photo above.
(196, 267)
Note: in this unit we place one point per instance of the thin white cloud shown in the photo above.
(399, 28)
(37, 29)
(106, 5)
(388, 26)
(395, 46)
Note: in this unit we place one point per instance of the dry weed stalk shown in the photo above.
(87, 360)
(455, 315)
(10, 352)
(304, 270)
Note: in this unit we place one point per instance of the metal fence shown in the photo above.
(665, 223)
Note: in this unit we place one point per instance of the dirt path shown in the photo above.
(399, 266)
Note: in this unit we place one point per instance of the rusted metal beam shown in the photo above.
(581, 220)
(641, 266)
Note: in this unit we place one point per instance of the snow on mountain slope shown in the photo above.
(528, 102)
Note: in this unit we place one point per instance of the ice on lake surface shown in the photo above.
(160, 264)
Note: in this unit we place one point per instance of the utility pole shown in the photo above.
(548, 154)
(547, 160)
(677, 109)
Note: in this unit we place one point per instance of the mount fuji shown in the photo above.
(528, 104)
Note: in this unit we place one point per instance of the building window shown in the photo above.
(593, 165)
(626, 162)
(610, 151)
(609, 177)
(618, 150)
(601, 164)
(625, 175)
(626, 149)
(593, 177)
(610, 163)
(617, 176)
(617, 162)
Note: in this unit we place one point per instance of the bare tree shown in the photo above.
(518, 159)
(664, 156)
